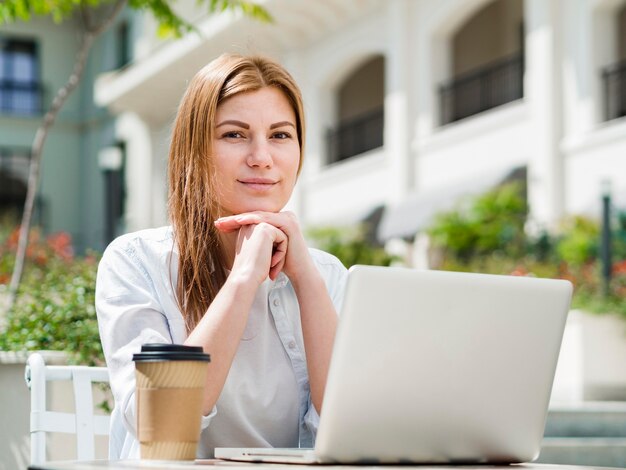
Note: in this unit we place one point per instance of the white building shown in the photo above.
(409, 103)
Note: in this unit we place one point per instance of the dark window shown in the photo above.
(487, 61)
(481, 89)
(356, 136)
(14, 165)
(359, 114)
(20, 87)
(115, 196)
(614, 78)
(123, 44)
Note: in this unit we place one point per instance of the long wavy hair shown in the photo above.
(193, 201)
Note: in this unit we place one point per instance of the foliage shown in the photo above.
(493, 222)
(55, 309)
(54, 305)
(579, 243)
(504, 248)
(350, 245)
(170, 23)
(95, 17)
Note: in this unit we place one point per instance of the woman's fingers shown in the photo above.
(227, 224)
(235, 222)
(280, 220)
(279, 253)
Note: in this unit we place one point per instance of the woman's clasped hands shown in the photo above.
(267, 243)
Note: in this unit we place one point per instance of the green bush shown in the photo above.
(54, 308)
(350, 245)
(491, 223)
(579, 243)
(487, 235)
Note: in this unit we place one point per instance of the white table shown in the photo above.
(211, 464)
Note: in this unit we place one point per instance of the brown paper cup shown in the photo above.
(169, 391)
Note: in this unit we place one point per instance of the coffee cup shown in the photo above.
(169, 393)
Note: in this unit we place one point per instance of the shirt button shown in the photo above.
(292, 344)
(276, 302)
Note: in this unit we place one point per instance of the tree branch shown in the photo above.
(35, 159)
(90, 35)
(85, 15)
(108, 21)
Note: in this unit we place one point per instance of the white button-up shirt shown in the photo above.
(266, 398)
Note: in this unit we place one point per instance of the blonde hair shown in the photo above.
(193, 203)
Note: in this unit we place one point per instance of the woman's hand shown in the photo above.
(260, 252)
(295, 261)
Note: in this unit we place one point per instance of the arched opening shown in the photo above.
(614, 75)
(14, 164)
(487, 61)
(359, 112)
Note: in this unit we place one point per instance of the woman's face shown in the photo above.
(256, 151)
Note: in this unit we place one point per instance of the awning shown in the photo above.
(417, 211)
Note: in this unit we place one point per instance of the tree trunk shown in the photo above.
(89, 35)
(35, 159)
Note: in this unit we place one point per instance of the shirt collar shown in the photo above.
(280, 281)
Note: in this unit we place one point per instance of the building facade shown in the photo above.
(78, 190)
(410, 103)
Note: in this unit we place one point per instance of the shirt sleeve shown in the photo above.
(129, 315)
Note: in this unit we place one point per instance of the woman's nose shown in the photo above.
(260, 154)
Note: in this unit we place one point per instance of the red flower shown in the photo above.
(619, 267)
(519, 271)
(61, 244)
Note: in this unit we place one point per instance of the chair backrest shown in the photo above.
(83, 422)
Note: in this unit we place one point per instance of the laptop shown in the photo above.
(436, 367)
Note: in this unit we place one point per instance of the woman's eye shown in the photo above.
(281, 135)
(232, 135)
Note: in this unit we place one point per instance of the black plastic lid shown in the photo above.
(170, 352)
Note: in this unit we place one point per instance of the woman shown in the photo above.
(233, 273)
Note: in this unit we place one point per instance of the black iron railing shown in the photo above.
(356, 136)
(17, 97)
(491, 85)
(614, 77)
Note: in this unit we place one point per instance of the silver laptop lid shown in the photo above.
(433, 366)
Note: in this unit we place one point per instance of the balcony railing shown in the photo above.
(494, 84)
(356, 136)
(614, 77)
(17, 97)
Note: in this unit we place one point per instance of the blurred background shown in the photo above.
(472, 135)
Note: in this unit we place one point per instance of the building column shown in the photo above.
(397, 135)
(294, 64)
(139, 173)
(542, 87)
(578, 69)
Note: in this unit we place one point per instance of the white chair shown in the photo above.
(83, 422)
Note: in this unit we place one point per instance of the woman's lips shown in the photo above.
(258, 184)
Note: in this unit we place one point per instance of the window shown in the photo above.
(360, 115)
(20, 89)
(614, 75)
(112, 162)
(487, 64)
(14, 165)
(123, 44)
